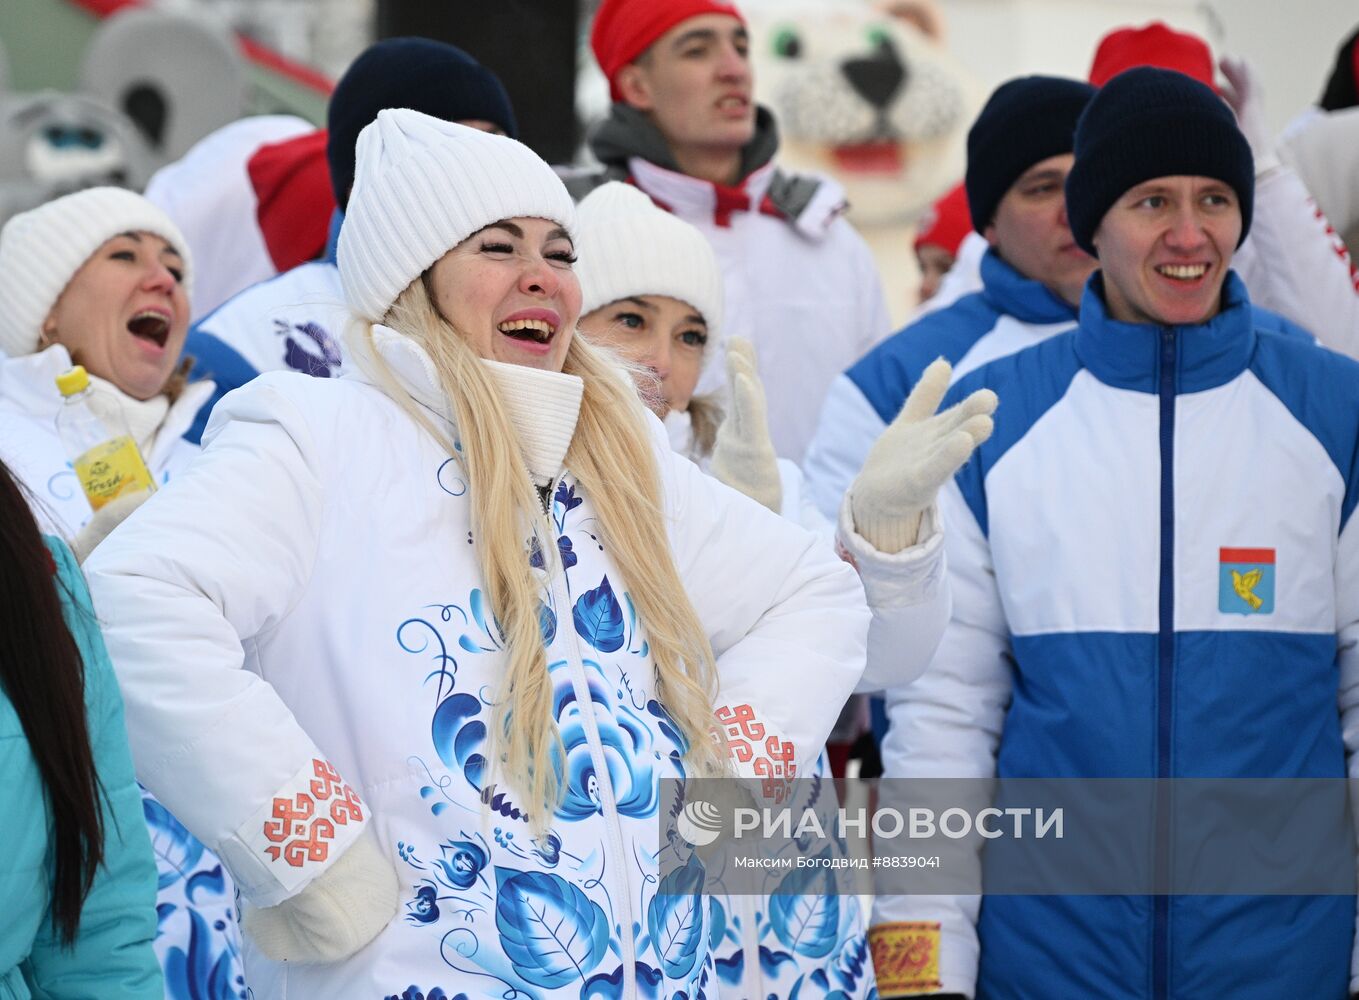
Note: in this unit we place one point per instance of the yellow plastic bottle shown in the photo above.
(105, 455)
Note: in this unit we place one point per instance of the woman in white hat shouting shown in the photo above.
(99, 278)
(457, 616)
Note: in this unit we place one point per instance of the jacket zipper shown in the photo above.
(752, 977)
(1165, 656)
(617, 857)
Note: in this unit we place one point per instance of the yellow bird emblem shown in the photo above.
(1244, 584)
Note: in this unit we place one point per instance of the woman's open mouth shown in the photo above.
(151, 327)
(532, 330)
(537, 331)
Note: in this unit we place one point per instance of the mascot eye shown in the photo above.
(787, 44)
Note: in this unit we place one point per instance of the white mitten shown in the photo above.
(743, 455)
(1246, 98)
(343, 909)
(915, 456)
(105, 519)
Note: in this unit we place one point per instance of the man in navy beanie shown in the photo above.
(1018, 155)
(417, 73)
(294, 321)
(1155, 572)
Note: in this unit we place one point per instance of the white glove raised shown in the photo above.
(344, 908)
(915, 456)
(105, 519)
(743, 454)
(1243, 92)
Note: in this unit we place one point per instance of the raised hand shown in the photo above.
(914, 457)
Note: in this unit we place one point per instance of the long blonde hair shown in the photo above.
(611, 457)
(705, 416)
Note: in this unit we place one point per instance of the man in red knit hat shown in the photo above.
(705, 113)
(685, 128)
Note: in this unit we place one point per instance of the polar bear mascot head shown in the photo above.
(865, 93)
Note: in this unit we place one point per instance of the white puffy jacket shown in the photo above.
(306, 650)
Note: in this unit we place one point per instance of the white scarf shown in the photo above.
(143, 417)
(543, 406)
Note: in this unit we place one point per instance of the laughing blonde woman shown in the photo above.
(458, 615)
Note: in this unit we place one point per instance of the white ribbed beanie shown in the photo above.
(42, 249)
(630, 247)
(423, 185)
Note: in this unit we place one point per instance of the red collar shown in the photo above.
(727, 198)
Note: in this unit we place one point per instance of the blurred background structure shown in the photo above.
(295, 46)
(108, 91)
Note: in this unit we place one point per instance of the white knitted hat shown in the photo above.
(42, 249)
(627, 246)
(423, 185)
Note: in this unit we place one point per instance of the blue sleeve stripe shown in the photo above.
(886, 374)
(1028, 384)
(214, 359)
(1321, 390)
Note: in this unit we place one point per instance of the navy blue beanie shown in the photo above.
(432, 77)
(1024, 122)
(1147, 123)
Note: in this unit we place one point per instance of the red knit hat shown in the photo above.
(1156, 45)
(946, 223)
(293, 198)
(624, 29)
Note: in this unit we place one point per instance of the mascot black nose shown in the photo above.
(877, 78)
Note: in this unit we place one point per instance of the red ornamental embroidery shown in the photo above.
(746, 740)
(776, 769)
(295, 833)
(741, 730)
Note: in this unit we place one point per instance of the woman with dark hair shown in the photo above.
(78, 881)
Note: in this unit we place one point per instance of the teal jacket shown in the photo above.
(111, 957)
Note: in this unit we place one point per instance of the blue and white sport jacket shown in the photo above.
(1098, 631)
(1010, 313)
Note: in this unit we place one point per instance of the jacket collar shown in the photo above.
(692, 198)
(404, 359)
(1027, 300)
(809, 204)
(632, 148)
(29, 383)
(1128, 355)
